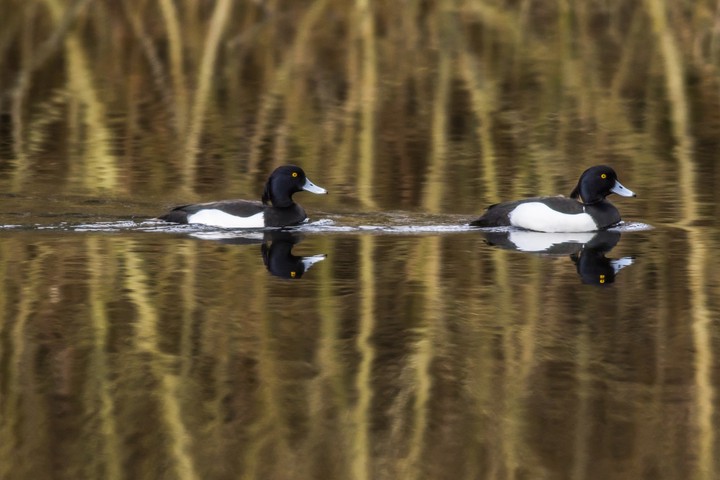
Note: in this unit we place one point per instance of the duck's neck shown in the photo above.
(596, 201)
(282, 202)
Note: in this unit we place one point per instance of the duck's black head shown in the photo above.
(285, 181)
(598, 182)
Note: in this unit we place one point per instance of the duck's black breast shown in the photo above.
(604, 213)
(283, 217)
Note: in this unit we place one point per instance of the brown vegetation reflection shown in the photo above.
(444, 106)
(424, 104)
(110, 373)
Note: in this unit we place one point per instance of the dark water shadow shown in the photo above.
(587, 250)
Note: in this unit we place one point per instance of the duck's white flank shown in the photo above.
(541, 218)
(218, 218)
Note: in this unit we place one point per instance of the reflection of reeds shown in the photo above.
(675, 84)
(98, 168)
(146, 338)
(368, 96)
(436, 175)
(175, 44)
(100, 396)
(361, 446)
(206, 72)
(376, 107)
(404, 356)
(333, 371)
(482, 95)
(431, 332)
(705, 358)
(16, 392)
(286, 81)
(32, 59)
(674, 70)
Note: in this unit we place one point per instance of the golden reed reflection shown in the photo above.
(185, 359)
(162, 369)
(362, 411)
(100, 393)
(455, 107)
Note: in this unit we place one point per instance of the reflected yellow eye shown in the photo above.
(294, 174)
(602, 277)
(602, 175)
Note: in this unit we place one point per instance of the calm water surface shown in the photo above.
(385, 339)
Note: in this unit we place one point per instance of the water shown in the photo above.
(385, 338)
(426, 349)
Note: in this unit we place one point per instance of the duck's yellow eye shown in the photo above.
(602, 277)
(293, 274)
(294, 174)
(602, 175)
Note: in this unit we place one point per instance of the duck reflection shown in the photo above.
(587, 250)
(278, 257)
(276, 247)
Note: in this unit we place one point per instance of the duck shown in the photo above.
(276, 208)
(279, 259)
(586, 210)
(587, 250)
